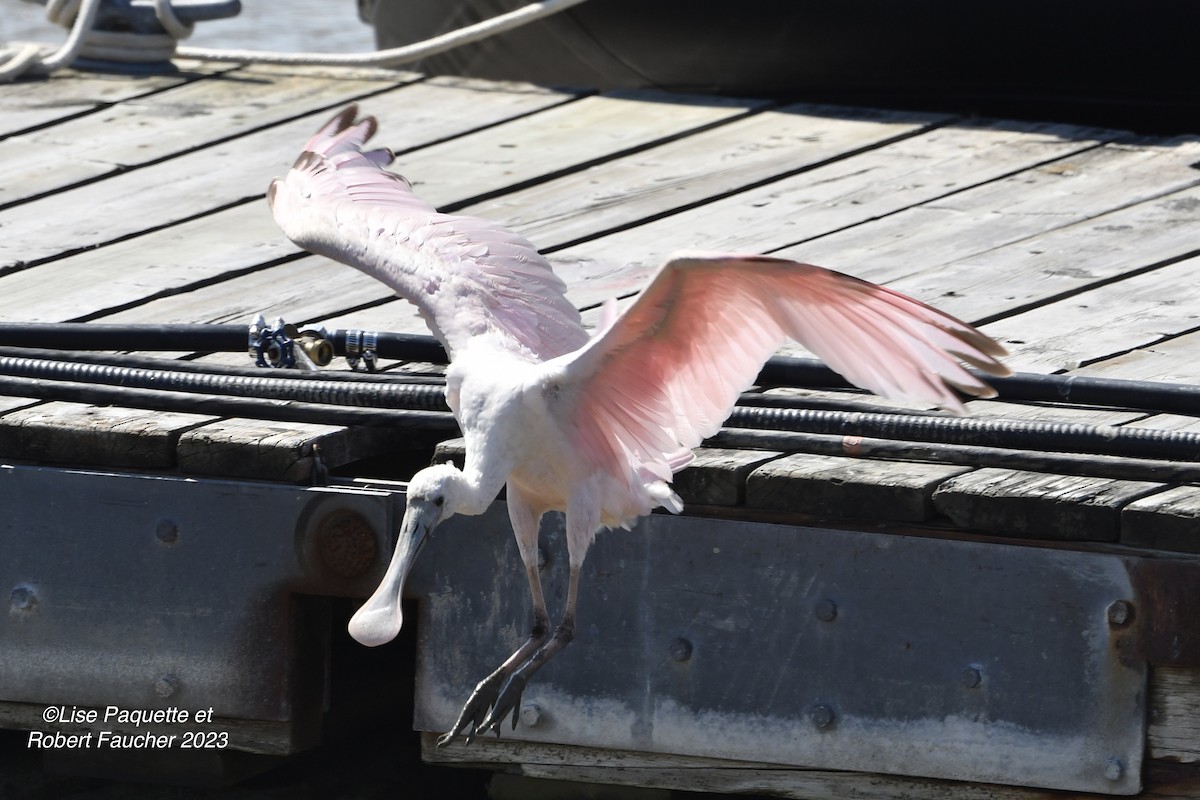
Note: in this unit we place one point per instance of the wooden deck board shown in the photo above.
(29, 104)
(832, 197)
(161, 125)
(240, 169)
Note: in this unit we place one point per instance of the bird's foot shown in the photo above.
(475, 712)
(508, 702)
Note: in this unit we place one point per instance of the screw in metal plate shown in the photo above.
(166, 686)
(679, 649)
(970, 677)
(531, 715)
(22, 599)
(822, 716)
(826, 610)
(1113, 768)
(166, 531)
(1120, 613)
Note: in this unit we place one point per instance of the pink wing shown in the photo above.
(667, 372)
(469, 277)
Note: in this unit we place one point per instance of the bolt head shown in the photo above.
(680, 649)
(1120, 613)
(1113, 768)
(166, 686)
(531, 715)
(166, 531)
(970, 677)
(822, 716)
(826, 610)
(22, 599)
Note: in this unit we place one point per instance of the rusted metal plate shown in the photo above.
(805, 647)
(1164, 617)
(152, 592)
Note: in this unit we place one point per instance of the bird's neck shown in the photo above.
(475, 493)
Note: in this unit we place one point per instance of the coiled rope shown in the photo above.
(83, 41)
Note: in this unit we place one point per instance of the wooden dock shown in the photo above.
(141, 200)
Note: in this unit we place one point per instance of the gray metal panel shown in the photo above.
(802, 646)
(148, 591)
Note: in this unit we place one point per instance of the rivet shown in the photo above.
(822, 716)
(1120, 613)
(346, 542)
(166, 686)
(680, 649)
(826, 610)
(1113, 768)
(531, 715)
(22, 599)
(970, 677)
(167, 531)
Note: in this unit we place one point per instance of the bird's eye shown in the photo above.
(438, 501)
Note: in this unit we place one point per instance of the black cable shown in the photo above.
(778, 371)
(417, 421)
(372, 395)
(1063, 437)
(1089, 465)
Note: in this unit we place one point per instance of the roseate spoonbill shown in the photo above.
(591, 425)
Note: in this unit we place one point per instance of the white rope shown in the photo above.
(79, 15)
(397, 55)
(30, 60)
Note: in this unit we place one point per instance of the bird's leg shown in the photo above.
(525, 525)
(579, 538)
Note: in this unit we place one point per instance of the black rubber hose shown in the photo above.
(441, 423)
(1011, 433)
(248, 371)
(779, 371)
(1089, 465)
(372, 395)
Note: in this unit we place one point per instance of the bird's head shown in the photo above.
(433, 495)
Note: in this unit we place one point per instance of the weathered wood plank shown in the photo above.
(1034, 505)
(1163, 781)
(41, 101)
(280, 451)
(694, 169)
(175, 121)
(603, 124)
(8, 404)
(1169, 520)
(1174, 360)
(1174, 730)
(310, 288)
(73, 433)
(1110, 319)
(558, 139)
(1062, 261)
(832, 486)
(106, 279)
(1052, 195)
(242, 168)
(815, 203)
(718, 476)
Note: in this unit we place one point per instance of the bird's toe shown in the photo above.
(475, 711)
(508, 703)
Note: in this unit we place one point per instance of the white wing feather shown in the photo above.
(469, 277)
